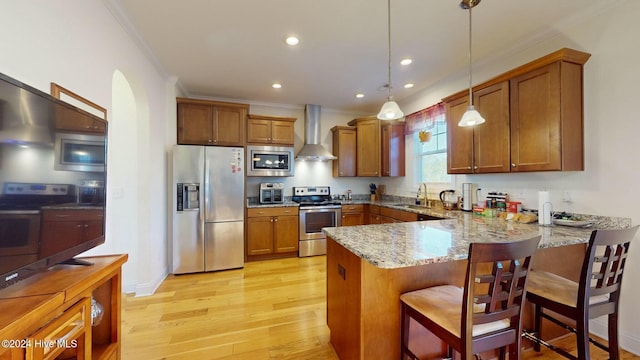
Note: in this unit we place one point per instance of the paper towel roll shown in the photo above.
(544, 208)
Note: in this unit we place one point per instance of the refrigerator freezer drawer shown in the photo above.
(187, 245)
(224, 245)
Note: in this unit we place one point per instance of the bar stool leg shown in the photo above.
(614, 348)
(537, 326)
(582, 332)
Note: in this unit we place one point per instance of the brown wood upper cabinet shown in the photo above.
(345, 149)
(483, 148)
(203, 122)
(270, 130)
(379, 147)
(534, 119)
(73, 121)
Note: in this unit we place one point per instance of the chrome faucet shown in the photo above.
(424, 200)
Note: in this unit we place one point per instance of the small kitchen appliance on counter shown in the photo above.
(271, 193)
(469, 196)
(91, 192)
(316, 211)
(447, 198)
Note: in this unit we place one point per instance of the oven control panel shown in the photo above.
(311, 190)
(36, 189)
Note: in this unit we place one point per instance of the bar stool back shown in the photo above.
(483, 316)
(597, 293)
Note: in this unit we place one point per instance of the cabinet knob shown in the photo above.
(276, 219)
(271, 219)
(469, 167)
(475, 167)
(210, 140)
(513, 165)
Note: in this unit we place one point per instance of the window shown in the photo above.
(432, 154)
(430, 151)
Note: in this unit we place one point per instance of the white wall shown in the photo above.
(79, 45)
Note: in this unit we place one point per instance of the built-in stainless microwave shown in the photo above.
(79, 152)
(269, 161)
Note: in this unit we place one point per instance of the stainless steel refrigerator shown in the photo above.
(207, 211)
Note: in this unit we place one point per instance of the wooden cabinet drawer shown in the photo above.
(352, 208)
(374, 209)
(63, 215)
(398, 214)
(70, 330)
(272, 211)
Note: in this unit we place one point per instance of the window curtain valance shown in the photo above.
(424, 119)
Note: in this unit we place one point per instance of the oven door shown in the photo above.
(19, 232)
(314, 218)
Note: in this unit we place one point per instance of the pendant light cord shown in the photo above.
(389, 48)
(470, 83)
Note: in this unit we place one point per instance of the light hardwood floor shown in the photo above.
(268, 310)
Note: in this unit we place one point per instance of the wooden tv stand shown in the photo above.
(54, 308)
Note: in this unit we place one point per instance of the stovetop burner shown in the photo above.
(30, 196)
(318, 203)
(313, 196)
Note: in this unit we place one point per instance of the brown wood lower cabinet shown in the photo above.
(389, 215)
(54, 308)
(76, 225)
(272, 232)
(363, 301)
(353, 214)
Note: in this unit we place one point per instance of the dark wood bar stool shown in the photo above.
(485, 314)
(596, 294)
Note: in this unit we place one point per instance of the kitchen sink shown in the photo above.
(410, 206)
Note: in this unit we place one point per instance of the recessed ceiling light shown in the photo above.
(292, 40)
(359, 95)
(276, 85)
(406, 61)
(408, 85)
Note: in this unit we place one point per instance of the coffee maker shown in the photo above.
(469, 196)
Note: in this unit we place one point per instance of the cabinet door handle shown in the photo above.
(271, 219)
(276, 219)
(475, 167)
(469, 167)
(513, 165)
(210, 140)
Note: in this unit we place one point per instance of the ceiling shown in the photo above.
(235, 49)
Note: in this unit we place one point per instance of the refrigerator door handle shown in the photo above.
(204, 211)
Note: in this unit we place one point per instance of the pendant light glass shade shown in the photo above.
(470, 117)
(390, 109)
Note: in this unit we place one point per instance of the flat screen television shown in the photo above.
(52, 181)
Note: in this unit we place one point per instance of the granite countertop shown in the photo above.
(407, 244)
(256, 205)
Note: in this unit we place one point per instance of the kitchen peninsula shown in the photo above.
(369, 266)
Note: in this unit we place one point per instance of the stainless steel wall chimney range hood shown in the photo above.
(312, 150)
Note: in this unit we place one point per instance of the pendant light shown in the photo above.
(470, 117)
(390, 110)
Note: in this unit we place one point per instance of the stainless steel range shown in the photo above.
(316, 211)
